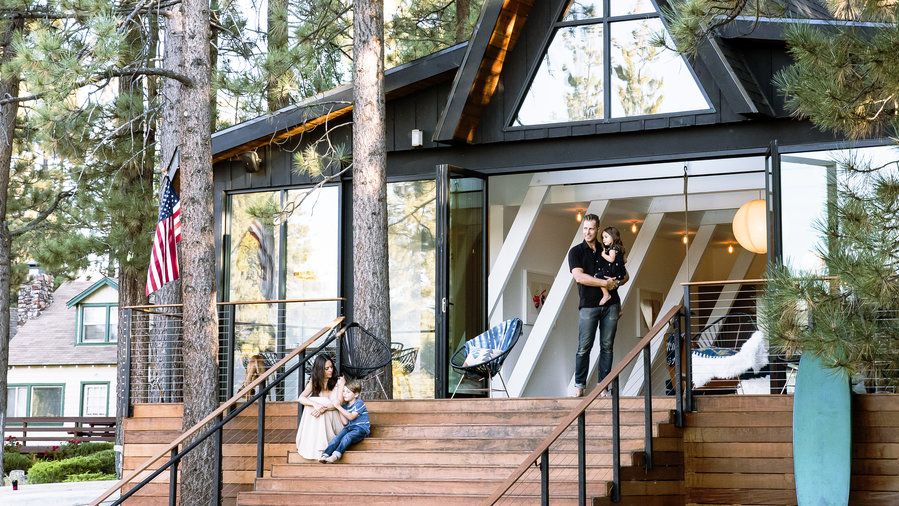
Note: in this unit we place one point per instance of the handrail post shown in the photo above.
(260, 437)
(219, 478)
(688, 347)
(647, 410)
(544, 478)
(173, 479)
(678, 377)
(616, 443)
(582, 458)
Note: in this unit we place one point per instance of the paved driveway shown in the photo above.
(56, 494)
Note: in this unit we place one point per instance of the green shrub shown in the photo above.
(90, 477)
(57, 471)
(16, 460)
(70, 450)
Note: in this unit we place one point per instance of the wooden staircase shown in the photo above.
(458, 451)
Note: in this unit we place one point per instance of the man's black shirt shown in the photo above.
(587, 259)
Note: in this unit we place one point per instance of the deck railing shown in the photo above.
(227, 428)
(578, 445)
(726, 359)
(250, 333)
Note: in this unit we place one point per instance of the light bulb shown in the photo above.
(634, 227)
(685, 239)
(730, 248)
(579, 216)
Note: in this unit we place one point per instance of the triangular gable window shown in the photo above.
(577, 81)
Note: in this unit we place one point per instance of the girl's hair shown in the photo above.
(318, 375)
(616, 238)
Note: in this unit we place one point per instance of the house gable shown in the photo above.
(104, 290)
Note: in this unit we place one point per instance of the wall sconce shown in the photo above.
(417, 138)
(634, 227)
(580, 216)
(685, 239)
(730, 248)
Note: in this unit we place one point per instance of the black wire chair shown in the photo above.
(482, 357)
(363, 354)
(407, 358)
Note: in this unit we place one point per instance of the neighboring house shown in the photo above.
(63, 362)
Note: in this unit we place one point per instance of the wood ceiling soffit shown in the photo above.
(284, 134)
(505, 34)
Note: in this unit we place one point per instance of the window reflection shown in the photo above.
(412, 225)
(647, 79)
(254, 262)
(626, 7)
(583, 9)
(568, 86)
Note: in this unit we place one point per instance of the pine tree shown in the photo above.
(843, 78)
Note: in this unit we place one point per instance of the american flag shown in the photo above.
(164, 256)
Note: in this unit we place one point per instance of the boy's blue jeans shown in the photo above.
(350, 435)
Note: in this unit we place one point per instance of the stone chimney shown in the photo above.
(34, 296)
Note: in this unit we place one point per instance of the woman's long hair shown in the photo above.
(318, 375)
(616, 238)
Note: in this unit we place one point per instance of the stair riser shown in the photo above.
(424, 487)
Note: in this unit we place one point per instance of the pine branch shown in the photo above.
(105, 76)
(39, 219)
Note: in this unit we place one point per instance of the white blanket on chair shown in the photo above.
(752, 355)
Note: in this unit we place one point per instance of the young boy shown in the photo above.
(357, 428)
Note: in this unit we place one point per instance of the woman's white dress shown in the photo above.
(314, 434)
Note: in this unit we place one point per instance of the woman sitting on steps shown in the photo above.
(320, 421)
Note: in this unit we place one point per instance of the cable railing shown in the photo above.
(252, 335)
(582, 456)
(248, 433)
(730, 355)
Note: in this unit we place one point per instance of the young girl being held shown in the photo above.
(613, 254)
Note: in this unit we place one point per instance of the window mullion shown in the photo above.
(607, 68)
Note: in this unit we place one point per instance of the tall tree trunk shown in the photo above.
(134, 182)
(9, 87)
(214, 13)
(463, 9)
(200, 322)
(371, 302)
(165, 337)
(279, 76)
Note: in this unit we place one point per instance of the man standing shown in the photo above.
(583, 262)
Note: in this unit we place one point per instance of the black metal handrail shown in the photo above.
(224, 413)
(540, 455)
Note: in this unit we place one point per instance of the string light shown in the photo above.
(580, 216)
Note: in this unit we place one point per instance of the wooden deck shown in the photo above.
(733, 450)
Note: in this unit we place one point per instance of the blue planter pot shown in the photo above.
(822, 434)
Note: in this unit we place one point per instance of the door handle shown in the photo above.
(443, 305)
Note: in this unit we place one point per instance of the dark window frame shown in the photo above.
(606, 20)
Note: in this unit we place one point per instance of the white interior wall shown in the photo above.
(544, 256)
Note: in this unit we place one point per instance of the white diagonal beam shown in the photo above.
(729, 292)
(513, 246)
(674, 296)
(546, 319)
(635, 259)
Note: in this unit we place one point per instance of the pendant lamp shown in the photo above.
(750, 226)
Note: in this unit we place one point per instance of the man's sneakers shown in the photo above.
(578, 391)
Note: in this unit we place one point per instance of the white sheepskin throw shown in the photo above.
(752, 355)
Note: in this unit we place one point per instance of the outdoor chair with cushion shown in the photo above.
(482, 357)
(728, 353)
(362, 354)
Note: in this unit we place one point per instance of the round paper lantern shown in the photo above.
(750, 226)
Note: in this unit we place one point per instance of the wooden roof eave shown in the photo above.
(476, 80)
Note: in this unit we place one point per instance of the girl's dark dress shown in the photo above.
(611, 269)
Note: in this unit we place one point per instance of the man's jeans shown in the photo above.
(350, 435)
(606, 318)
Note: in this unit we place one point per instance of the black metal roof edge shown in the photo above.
(737, 83)
(749, 27)
(474, 54)
(310, 108)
